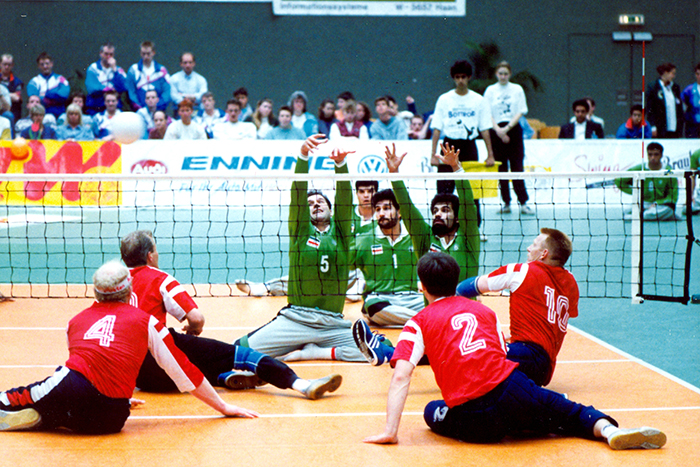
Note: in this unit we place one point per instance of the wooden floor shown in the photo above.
(176, 430)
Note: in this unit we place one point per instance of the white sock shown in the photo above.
(608, 430)
(300, 385)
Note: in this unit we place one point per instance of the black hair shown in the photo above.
(439, 274)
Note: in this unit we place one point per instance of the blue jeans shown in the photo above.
(533, 360)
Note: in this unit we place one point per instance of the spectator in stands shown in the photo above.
(185, 128)
(418, 128)
(387, 127)
(13, 84)
(77, 98)
(146, 75)
(300, 117)
(662, 95)
(160, 125)
(263, 118)
(582, 128)
(349, 126)
(342, 98)
(659, 195)
(73, 128)
(232, 128)
(241, 95)
(52, 88)
(364, 115)
(102, 122)
(37, 130)
(591, 116)
(285, 129)
(5, 129)
(326, 117)
(146, 112)
(691, 103)
(209, 115)
(24, 123)
(102, 76)
(187, 83)
(632, 129)
(6, 104)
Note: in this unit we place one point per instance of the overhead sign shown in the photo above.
(370, 8)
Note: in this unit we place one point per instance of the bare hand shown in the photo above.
(490, 161)
(312, 142)
(339, 155)
(382, 439)
(392, 160)
(136, 402)
(192, 330)
(234, 411)
(449, 156)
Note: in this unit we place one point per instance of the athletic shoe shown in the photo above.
(373, 346)
(527, 210)
(252, 289)
(642, 438)
(505, 209)
(240, 380)
(319, 387)
(19, 420)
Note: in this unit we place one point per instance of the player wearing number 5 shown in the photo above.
(543, 296)
(311, 326)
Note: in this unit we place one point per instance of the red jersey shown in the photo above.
(542, 299)
(464, 344)
(156, 292)
(108, 342)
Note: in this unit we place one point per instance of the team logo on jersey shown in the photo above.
(434, 248)
(313, 242)
(377, 250)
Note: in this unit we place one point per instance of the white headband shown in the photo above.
(117, 288)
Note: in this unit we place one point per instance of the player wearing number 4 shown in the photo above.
(485, 396)
(107, 343)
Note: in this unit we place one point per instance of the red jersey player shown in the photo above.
(543, 296)
(485, 396)
(107, 343)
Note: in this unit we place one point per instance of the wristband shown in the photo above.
(468, 288)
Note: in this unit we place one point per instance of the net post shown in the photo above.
(636, 265)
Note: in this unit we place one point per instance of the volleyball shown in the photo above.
(127, 127)
(19, 148)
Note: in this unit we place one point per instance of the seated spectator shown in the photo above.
(73, 128)
(37, 130)
(232, 128)
(52, 89)
(12, 83)
(263, 118)
(5, 129)
(209, 115)
(185, 128)
(148, 75)
(364, 115)
(241, 95)
(78, 98)
(349, 126)
(632, 129)
(102, 76)
(160, 125)
(300, 117)
(149, 109)
(387, 127)
(285, 129)
(24, 123)
(342, 98)
(102, 122)
(590, 116)
(326, 117)
(419, 128)
(6, 104)
(187, 83)
(582, 128)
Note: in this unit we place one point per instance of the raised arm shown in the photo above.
(343, 194)
(298, 207)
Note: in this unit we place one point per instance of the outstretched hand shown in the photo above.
(392, 160)
(339, 155)
(235, 411)
(449, 156)
(312, 142)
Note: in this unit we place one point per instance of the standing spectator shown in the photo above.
(326, 117)
(187, 83)
(349, 126)
(300, 117)
(634, 126)
(664, 107)
(285, 129)
(77, 98)
(37, 130)
(582, 128)
(263, 118)
(691, 103)
(12, 83)
(364, 115)
(185, 128)
(387, 127)
(160, 125)
(508, 104)
(241, 95)
(53, 89)
(102, 122)
(209, 115)
(24, 123)
(232, 128)
(73, 128)
(147, 112)
(102, 76)
(146, 75)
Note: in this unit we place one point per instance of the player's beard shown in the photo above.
(440, 229)
(387, 223)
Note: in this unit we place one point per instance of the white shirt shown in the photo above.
(670, 101)
(238, 130)
(178, 130)
(461, 117)
(506, 101)
(335, 131)
(580, 130)
(182, 84)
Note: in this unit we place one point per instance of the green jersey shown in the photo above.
(464, 247)
(695, 160)
(654, 190)
(359, 224)
(388, 267)
(318, 261)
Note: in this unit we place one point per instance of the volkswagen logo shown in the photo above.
(372, 164)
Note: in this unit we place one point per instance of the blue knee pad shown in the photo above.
(435, 413)
(247, 359)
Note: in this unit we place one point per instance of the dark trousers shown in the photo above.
(511, 157)
(533, 361)
(467, 152)
(213, 358)
(517, 406)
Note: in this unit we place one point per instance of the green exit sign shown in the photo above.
(631, 20)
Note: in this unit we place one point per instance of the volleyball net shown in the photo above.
(56, 230)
